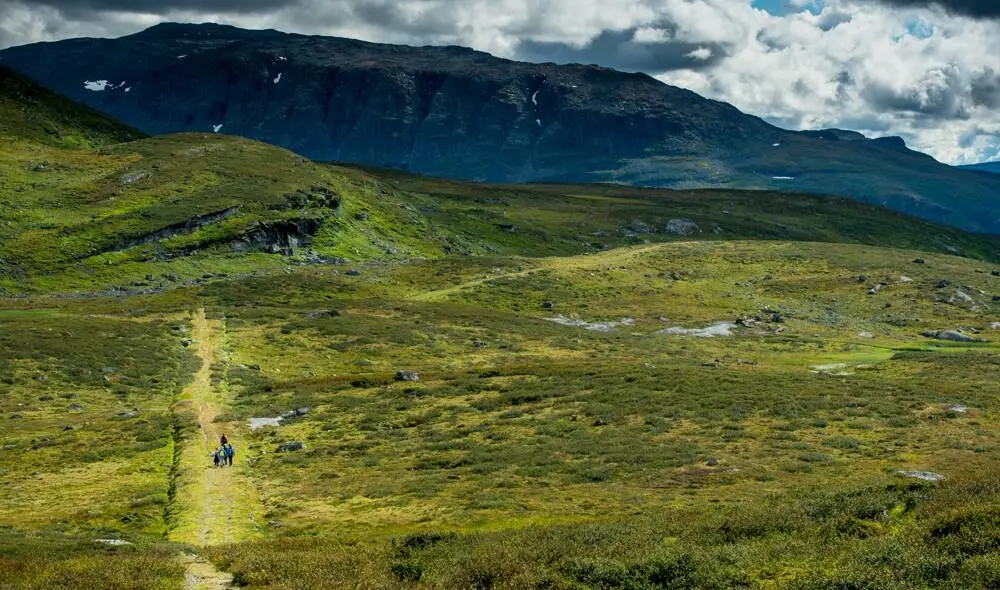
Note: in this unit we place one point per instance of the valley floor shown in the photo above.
(685, 415)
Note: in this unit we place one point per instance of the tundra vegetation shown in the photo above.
(476, 386)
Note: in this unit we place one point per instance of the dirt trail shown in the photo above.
(213, 505)
(546, 264)
(202, 575)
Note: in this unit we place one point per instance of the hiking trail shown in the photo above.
(212, 505)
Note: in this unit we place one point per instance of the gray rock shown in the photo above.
(919, 261)
(187, 342)
(353, 272)
(16, 416)
(70, 427)
(924, 475)
(478, 344)
(74, 407)
(640, 227)
(128, 415)
(407, 376)
(291, 446)
(682, 227)
(323, 313)
(302, 411)
(548, 305)
(949, 335)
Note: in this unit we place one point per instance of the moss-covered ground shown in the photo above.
(605, 396)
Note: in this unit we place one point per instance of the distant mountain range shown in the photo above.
(459, 113)
(984, 167)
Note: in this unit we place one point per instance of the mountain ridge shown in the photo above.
(464, 114)
(984, 167)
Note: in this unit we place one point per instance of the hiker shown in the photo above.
(216, 457)
(230, 451)
(224, 440)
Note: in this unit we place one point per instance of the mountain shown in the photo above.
(455, 112)
(984, 167)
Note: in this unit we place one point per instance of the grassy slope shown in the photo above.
(68, 229)
(549, 425)
(530, 454)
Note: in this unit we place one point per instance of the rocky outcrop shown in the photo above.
(278, 237)
(185, 227)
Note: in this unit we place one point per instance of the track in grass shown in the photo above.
(215, 505)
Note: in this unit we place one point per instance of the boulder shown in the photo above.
(291, 446)
(353, 272)
(323, 313)
(301, 411)
(924, 475)
(639, 227)
(919, 261)
(74, 407)
(949, 335)
(405, 375)
(548, 305)
(682, 227)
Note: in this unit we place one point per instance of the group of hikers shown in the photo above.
(223, 454)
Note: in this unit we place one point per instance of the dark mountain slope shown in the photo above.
(455, 112)
(984, 167)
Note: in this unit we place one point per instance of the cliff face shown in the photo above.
(464, 114)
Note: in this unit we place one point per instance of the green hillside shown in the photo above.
(30, 114)
(467, 386)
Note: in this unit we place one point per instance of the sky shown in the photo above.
(928, 70)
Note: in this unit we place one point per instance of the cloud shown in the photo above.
(631, 50)
(922, 69)
(973, 8)
(83, 8)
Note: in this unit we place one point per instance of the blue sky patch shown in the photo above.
(783, 7)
